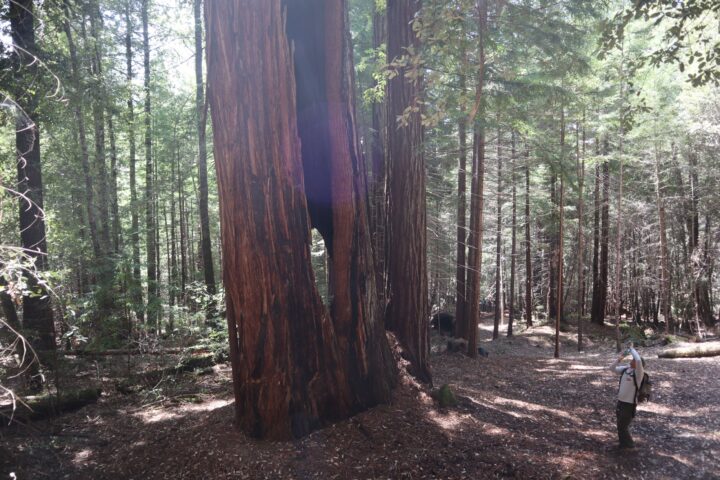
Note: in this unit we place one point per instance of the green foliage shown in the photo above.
(687, 33)
(444, 396)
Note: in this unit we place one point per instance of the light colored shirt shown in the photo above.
(631, 378)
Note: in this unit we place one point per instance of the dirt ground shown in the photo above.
(521, 414)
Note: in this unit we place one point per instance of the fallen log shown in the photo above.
(162, 351)
(150, 378)
(43, 406)
(694, 351)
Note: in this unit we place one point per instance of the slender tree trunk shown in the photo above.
(407, 308)
(150, 240)
(460, 270)
(183, 228)
(378, 217)
(560, 235)
(99, 97)
(528, 244)
(581, 238)
(116, 234)
(596, 235)
(80, 120)
(294, 366)
(513, 249)
(701, 297)
(37, 310)
(600, 287)
(499, 310)
(618, 255)
(136, 289)
(476, 194)
(208, 269)
(552, 291)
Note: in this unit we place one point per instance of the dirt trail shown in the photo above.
(522, 414)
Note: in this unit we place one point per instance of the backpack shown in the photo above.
(644, 393)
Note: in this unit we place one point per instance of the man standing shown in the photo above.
(631, 376)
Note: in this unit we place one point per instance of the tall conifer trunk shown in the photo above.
(513, 249)
(208, 269)
(499, 310)
(134, 205)
(476, 192)
(460, 269)
(580, 162)
(378, 216)
(37, 310)
(528, 245)
(80, 120)
(296, 366)
(150, 223)
(407, 308)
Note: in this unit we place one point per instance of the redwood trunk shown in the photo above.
(499, 310)
(150, 224)
(407, 308)
(528, 245)
(460, 273)
(295, 367)
(37, 310)
(664, 272)
(600, 284)
(136, 289)
(208, 268)
(513, 249)
(476, 195)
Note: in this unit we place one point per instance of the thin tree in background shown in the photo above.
(461, 271)
(136, 289)
(75, 75)
(664, 272)
(513, 248)
(407, 307)
(476, 191)
(201, 112)
(378, 179)
(560, 235)
(602, 240)
(528, 245)
(150, 238)
(499, 310)
(580, 163)
(99, 97)
(37, 309)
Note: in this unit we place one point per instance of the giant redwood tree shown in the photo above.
(407, 308)
(296, 363)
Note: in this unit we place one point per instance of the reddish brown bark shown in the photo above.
(528, 245)
(37, 310)
(201, 112)
(295, 366)
(476, 194)
(407, 308)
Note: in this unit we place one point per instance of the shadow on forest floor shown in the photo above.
(521, 414)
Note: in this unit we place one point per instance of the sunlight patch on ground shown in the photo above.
(82, 456)
(155, 415)
(450, 421)
(206, 406)
(581, 366)
(161, 414)
(533, 407)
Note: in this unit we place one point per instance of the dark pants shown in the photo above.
(625, 413)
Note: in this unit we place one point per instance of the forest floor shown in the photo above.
(521, 414)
